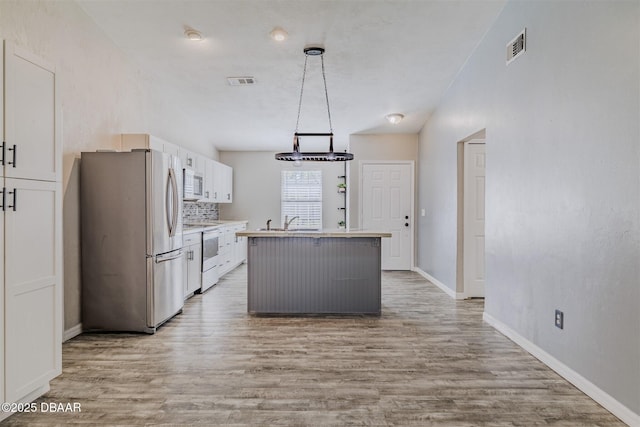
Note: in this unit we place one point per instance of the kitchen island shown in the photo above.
(300, 272)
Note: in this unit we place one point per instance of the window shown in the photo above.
(302, 197)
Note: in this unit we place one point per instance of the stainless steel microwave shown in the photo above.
(193, 185)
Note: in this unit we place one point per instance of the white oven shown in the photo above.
(210, 246)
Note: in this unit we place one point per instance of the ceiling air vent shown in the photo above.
(517, 46)
(241, 81)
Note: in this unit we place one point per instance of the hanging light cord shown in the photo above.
(326, 93)
(304, 74)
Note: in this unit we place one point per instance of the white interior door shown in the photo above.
(474, 200)
(386, 205)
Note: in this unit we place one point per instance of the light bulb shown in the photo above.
(394, 118)
(193, 35)
(278, 34)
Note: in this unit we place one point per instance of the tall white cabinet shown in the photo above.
(31, 228)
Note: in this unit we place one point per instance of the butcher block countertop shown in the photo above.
(313, 233)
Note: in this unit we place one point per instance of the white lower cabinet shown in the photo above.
(240, 246)
(226, 250)
(192, 247)
(33, 308)
(232, 249)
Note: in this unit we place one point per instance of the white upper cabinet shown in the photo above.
(227, 184)
(218, 177)
(170, 148)
(222, 184)
(192, 160)
(200, 164)
(209, 178)
(187, 158)
(131, 141)
(32, 146)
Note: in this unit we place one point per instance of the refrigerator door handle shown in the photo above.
(169, 256)
(169, 203)
(174, 188)
(172, 202)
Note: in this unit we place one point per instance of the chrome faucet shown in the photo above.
(288, 222)
(268, 224)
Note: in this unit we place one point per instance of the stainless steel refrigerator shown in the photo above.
(131, 226)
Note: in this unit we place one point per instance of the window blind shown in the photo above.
(301, 195)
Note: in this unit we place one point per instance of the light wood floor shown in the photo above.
(429, 360)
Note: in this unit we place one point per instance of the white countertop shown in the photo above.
(313, 233)
(200, 226)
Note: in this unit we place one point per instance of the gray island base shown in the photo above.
(298, 273)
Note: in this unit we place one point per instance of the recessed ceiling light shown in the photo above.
(193, 35)
(278, 34)
(394, 118)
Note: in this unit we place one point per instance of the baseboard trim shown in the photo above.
(625, 414)
(73, 331)
(453, 294)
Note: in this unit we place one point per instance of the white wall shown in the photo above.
(563, 168)
(256, 188)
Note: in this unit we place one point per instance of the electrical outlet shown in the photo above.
(559, 319)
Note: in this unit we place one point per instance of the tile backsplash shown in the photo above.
(199, 211)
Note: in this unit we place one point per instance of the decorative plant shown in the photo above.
(342, 224)
(342, 188)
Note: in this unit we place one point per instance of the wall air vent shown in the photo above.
(241, 81)
(517, 46)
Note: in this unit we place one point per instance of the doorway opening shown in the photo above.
(470, 274)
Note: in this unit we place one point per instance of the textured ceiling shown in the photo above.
(381, 57)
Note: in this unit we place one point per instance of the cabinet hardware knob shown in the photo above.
(406, 224)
